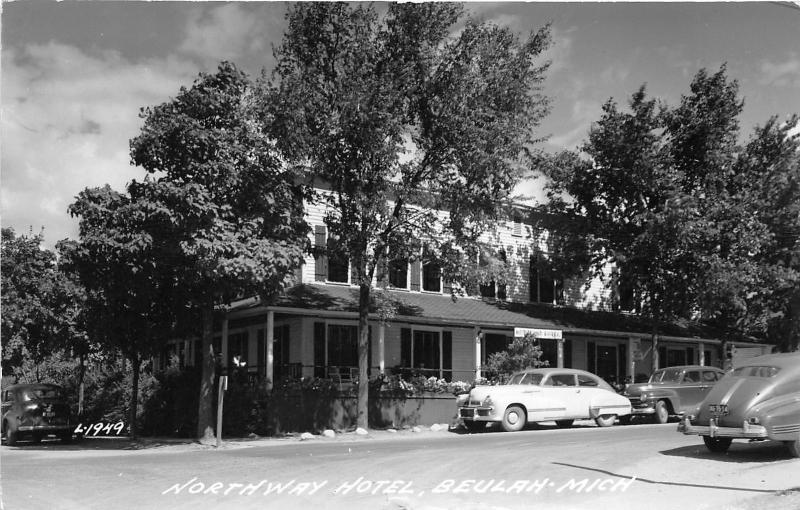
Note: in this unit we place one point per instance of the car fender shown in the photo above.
(668, 395)
(780, 416)
(607, 402)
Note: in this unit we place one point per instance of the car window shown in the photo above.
(668, 375)
(585, 380)
(561, 380)
(757, 371)
(710, 376)
(692, 376)
(41, 393)
(526, 378)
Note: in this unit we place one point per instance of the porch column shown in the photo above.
(633, 349)
(478, 338)
(655, 353)
(270, 341)
(381, 348)
(224, 346)
(560, 355)
(701, 356)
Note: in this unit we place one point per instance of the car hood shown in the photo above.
(740, 394)
(634, 390)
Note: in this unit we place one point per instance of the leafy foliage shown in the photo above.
(523, 352)
(401, 120)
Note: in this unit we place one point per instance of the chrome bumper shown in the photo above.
(45, 428)
(746, 431)
(476, 413)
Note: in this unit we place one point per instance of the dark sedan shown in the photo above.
(34, 411)
(758, 400)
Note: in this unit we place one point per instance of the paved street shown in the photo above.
(638, 466)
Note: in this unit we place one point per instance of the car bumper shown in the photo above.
(476, 413)
(47, 429)
(746, 431)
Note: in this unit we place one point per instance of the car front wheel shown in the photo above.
(605, 420)
(794, 447)
(513, 419)
(662, 413)
(717, 444)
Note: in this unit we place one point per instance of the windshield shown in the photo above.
(41, 393)
(526, 378)
(756, 371)
(668, 375)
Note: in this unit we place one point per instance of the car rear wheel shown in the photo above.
(513, 419)
(717, 444)
(475, 426)
(605, 420)
(794, 447)
(662, 413)
(564, 424)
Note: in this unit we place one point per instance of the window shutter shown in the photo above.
(416, 273)
(623, 362)
(405, 347)
(591, 355)
(321, 260)
(447, 355)
(319, 349)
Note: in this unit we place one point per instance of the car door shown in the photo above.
(565, 393)
(691, 390)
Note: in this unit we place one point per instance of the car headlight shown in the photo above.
(487, 402)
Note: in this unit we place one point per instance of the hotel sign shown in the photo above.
(554, 334)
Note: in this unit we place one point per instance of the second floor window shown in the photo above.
(398, 273)
(544, 285)
(431, 277)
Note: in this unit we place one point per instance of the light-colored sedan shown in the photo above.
(543, 394)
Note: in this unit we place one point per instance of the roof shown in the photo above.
(420, 307)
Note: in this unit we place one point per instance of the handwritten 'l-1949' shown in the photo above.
(100, 429)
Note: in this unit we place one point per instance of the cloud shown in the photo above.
(224, 33)
(781, 74)
(68, 116)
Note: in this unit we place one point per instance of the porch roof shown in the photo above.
(342, 301)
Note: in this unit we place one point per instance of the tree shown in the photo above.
(42, 306)
(233, 212)
(523, 352)
(125, 268)
(402, 120)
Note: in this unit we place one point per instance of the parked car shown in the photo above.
(543, 394)
(758, 400)
(35, 411)
(671, 391)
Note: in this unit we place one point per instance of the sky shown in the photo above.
(75, 75)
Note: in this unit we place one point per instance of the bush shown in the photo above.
(523, 352)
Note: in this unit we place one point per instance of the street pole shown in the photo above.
(223, 385)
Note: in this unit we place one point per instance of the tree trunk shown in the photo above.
(363, 355)
(136, 365)
(81, 383)
(205, 411)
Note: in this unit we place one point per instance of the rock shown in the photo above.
(393, 431)
(416, 429)
(435, 427)
(361, 432)
(252, 435)
(328, 433)
(306, 436)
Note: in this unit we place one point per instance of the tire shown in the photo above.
(626, 419)
(794, 447)
(11, 435)
(514, 419)
(475, 426)
(564, 424)
(662, 413)
(605, 420)
(717, 444)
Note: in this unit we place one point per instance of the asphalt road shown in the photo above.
(648, 467)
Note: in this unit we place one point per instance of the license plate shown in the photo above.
(718, 410)
(468, 413)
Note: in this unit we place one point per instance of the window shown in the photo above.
(398, 273)
(338, 262)
(692, 376)
(492, 289)
(585, 380)
(342, 345)
(237, 349)
(544, 285)
(561, 380)
(431, 276)
(426, 352)
(493, 343)
(710, 376)
(516, 225)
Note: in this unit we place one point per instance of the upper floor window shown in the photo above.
(331, 261)
(626, 299)
(545, 286)
(492, 289)
(431, 276)
(398, 273)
